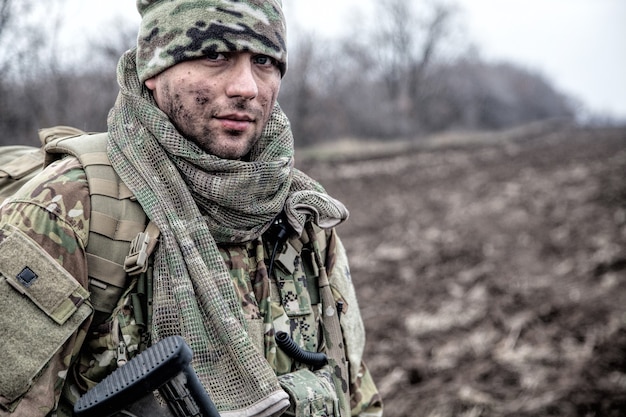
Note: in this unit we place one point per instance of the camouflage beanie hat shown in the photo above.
(173, 31)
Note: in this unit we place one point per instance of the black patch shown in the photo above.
(26, 277)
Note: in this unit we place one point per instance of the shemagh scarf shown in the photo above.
(198, 200)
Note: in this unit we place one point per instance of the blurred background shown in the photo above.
(382, 70)
(480, 146)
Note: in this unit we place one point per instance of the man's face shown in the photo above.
(221, 102)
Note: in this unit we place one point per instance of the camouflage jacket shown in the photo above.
(49, 220)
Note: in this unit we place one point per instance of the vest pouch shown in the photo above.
(41, 307)
(310, 393)
(18, 164)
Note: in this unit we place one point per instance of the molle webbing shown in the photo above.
(116, 217)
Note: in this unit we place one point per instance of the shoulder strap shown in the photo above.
(331, 327)
(117, 220)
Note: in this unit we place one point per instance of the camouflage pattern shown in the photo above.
(331, 325)
(364, 396)
(311, 393)
(365, 399)
(289, 302)
(273, 300)
(292, 309)
(52, 210)
(17, 165)
(179, 30)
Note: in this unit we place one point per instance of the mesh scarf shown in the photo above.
(198, 200)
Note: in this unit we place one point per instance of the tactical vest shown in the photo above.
(118, 237)
(118, 220)
(119, 244)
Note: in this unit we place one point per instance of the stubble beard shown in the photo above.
(197, 128)
(227, 144)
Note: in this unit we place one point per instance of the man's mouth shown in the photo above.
(235, 121)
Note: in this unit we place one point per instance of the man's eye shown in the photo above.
(215, 56)
(264, 60)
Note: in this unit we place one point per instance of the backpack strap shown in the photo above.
(117, 225)
(48, 134)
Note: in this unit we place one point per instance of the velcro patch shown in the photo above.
(41, 307)
(33, 272)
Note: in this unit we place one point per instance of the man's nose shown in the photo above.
(242, 81)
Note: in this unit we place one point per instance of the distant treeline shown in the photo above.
(389, 82)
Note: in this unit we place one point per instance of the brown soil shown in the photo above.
(492, 278)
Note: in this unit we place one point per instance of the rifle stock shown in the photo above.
(164, 365)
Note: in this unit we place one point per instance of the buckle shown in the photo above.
(137, 260)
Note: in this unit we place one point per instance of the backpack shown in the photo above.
(118, 236)
(119, 243)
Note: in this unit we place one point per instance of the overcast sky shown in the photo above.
(579, 45)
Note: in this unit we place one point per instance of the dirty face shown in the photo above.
(221, 102)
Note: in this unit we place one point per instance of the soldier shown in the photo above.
(246, 243)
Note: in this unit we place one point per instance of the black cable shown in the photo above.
(289, 346)
(279, 232)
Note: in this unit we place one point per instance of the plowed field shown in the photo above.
(491, 274)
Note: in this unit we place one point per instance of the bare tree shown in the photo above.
(313, 89)
(384, 80)
(407, 43)
(27, 48)
(97, 88)
(48, 83)
(5, 14)
(298, 92)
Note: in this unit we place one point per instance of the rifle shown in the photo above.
(165, 366)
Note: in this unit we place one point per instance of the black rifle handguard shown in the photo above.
(145, 373)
